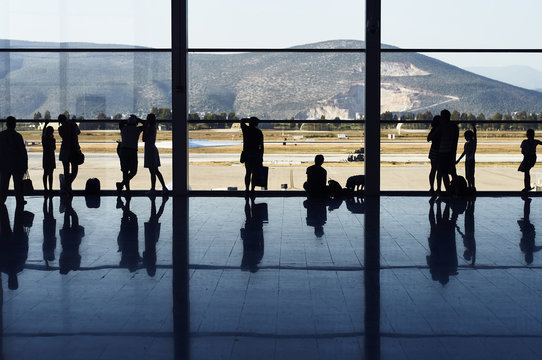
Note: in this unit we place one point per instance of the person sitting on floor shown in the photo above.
(315, 186)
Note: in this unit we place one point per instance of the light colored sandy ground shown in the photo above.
(409, 177)
(204, 177)
(105, 167)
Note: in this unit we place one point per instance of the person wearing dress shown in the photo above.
(48, 143)
(152, 157)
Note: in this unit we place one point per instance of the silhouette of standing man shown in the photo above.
(252, 154)
(13, 162)
(449, 135)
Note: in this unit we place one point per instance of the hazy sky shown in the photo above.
(284, 23)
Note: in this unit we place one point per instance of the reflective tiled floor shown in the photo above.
(283, 278)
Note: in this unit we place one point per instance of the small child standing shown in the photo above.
(48, 143)
(469, 150)
(528, 149)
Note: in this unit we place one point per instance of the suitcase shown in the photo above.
(259, 178)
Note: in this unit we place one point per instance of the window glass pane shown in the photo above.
(501, 106)
(95, 86)
(277, 86)
(272, 24)
(461, 24)
(47, 23)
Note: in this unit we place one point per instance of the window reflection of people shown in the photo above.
(316, 214)
(315, 186)
(128, 238)
(442, 260)
(528, 233)
(252, 154)
(152, 234)
(252, 235)
(14, 243)
(71, 235)
(13, 162)
(469, 242)
(49, 230)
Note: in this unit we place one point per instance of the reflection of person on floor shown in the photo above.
(128, 239)
(152, 234)
(316, 214)
(528, 149)
(469, 242)
(355, 205)
(442, 260)
(70, 238)
(528, 233)
(49, 230)
(315, 186)
(14, 244)
(252, 235)
(252, 154)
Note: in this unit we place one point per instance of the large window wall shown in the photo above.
(305, 80)
(97, 62)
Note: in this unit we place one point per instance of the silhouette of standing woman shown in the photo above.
(152, 157)
(69, 150)
(434, 137)
(48, 144)
(252, 154)
(528, 149)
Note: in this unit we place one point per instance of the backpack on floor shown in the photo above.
(459, 186)
(92, 187)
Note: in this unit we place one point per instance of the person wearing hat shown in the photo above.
(129, 132)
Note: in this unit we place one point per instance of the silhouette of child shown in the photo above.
(528, 149)
(469, 150)
(48, 143)
(434, 137)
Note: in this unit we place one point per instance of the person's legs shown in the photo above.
(4, 185)
(527, 181)
(50, 180)
(152, 171)
(432, 174)
(247, 178)
(18, 187)
(66, 166)
(73, 175)
(44, 179)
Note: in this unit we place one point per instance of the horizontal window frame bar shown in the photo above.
(262, 50)
(270, 50)
(422, 50)
(166, 121)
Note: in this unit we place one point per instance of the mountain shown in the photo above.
(268, 85)
(522, 76)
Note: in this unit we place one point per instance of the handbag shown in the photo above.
(28, 188)
(78, 157)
